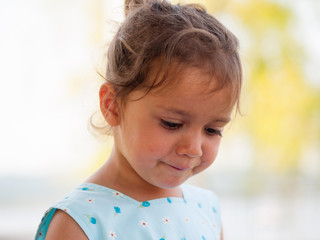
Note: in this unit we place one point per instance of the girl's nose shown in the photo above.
(190, 146)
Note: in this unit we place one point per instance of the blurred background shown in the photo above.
(268, 171)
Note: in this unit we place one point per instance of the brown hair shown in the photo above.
(187, 34)
(157, 34)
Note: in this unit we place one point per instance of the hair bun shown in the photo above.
(130, 5)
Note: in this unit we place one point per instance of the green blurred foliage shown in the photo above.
(282, 109)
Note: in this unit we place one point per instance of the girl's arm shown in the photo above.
(63, 227)
(221, 235)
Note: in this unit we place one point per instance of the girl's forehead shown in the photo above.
(192, 86)
(192, 102)
(186, 81)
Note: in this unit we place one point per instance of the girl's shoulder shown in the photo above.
(63, 226)
(80, 206)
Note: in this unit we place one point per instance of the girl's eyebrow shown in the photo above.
(222, 120)
(187, 114)
(175, 111)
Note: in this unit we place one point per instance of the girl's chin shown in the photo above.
(171, 183)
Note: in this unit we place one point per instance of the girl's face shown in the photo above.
(170, 135)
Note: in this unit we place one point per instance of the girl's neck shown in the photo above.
(121, 177)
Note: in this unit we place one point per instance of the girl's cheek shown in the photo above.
(207, 162)
(203, 166)
(153, 145)
(151, 149)
(210, 157)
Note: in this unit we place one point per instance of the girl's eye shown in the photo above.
(212, 131)
(171, 125)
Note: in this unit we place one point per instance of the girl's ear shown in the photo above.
(108, 104)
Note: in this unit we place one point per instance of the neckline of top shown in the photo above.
(93, 186)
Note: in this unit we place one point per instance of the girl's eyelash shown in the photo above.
(170, 125)
(212, 131)
(173, 126)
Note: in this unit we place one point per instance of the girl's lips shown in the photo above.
(178, 168)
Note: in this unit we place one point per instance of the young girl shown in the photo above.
(173, 79)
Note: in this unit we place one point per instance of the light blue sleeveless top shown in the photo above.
(105, 214)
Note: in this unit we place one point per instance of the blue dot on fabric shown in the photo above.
(93, 220)
(117, 209)
(145, 204)
(169, 200)
(199, 205)
(85, 189)
(203, 238)
(162, 239)
(214, 210)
